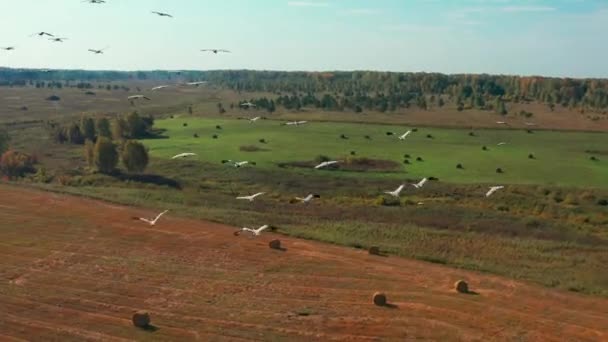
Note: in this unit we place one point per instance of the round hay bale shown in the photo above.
(141, 319)
(275, 244)
(374, 250)
(379, 299)
(461, 286)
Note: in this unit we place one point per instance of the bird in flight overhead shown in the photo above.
(151, 222)
(58, 39)
(95, 1)
(215, 51)
(98, 52)
(161, 14)
(8, 48)
(42, 34)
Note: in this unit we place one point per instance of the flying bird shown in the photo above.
(138, 97)
(160, 87)
(237, 164)
(501, 122)
(405, 135)
(42, 34)
(183, 155)
(493, 189)
(196, 83)
(295, 123)
(95, 1)
(530, 124)
(307, 199)
(252, 120)
(397, 192)
(215, 51)
(326, 164)
(254, 232)
(58, 39)
(161, 14)
(248, 104)
(250, 198)
(8, 48)
(420, 184)
(501, 143)
(151, 222)
(98, 52)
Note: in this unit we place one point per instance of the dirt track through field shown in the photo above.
(77, 269)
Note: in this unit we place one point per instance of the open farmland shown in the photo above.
(560, 158)
(73, 260)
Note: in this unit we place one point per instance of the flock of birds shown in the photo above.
(57, 39)
(309, 198)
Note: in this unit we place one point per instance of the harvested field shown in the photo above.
(77, 269)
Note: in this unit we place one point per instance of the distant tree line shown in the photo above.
(365, 89)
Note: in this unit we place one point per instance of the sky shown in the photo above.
(566, 38)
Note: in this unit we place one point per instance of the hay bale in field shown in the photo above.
(215, 136)
(406, 161)
(185, 124)
(407, 156)
(499, 170)
(275, 244)
(459, 166)
(195, 135)
(485, 148)
(471, 134)
(531, 156)
(379, 299)
(141, 319)
(374, 250)
(461, 286)
(419, 159)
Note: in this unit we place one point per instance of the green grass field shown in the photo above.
(561, 158)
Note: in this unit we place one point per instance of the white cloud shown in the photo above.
(307, 4)
(527, 9)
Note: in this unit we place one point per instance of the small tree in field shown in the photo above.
(134, 156)
(103, 128)
(87, 128)
(105, 155)
(16, 164)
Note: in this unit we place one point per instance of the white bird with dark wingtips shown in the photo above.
(161, 14)
(405, 135)
(95, 1)
(196, 83)
(254, 232)
(138, 97)
(237, 164)
(397, 192)
(250, 198)
(493, 189)
(8, 48)
(183, 155)
(58, 39)
(501, 143)
(307, 199)
(248, 105)
(420, 184)
(501, 122)
(42, 34)
(295, 123)
(530, 124)
(326, 164)
(151, 222)
(159, 87)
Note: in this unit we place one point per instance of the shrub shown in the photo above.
(353, 153)
(185, 124)
(105, 155)
(141, 319)
(218, 127)
(499, 170)
(485, 148)
(215, 136)
(53, 98)
(471, 134)
(459, 166)
(531, 156)
(603, 202)
(407, 162)
(87, 128)
(103, 128)
(4, 139)
(322, 158)
(262, 141)
(430, 136)
(134, 156)
(414, 130)
(593, 158)
(342, 136)
(16, 164)
(195, 135)
(407, 156)
(529, 131)
(368, 137)
(419, 159)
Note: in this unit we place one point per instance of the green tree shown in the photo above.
(105, 155)
(74, 134)
(499, 106)
(87, 128)
(89, 152)
(440, 102)
(136, 126)
(119, 129)
(103, 128)
(134, 156)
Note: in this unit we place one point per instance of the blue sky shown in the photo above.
(534, 37)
